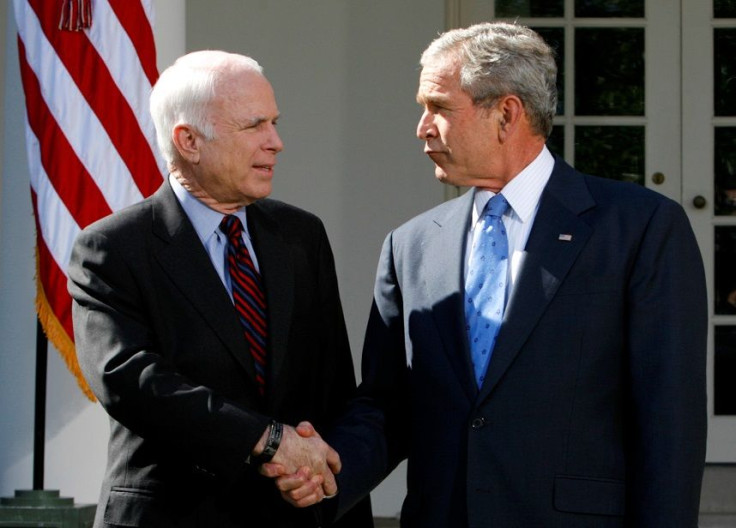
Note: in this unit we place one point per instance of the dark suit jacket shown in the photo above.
(593, 412)
(161, 346)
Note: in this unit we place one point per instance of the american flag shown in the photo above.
(87, 68)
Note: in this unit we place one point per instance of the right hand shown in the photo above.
(309, 482)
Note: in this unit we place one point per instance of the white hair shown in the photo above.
(184, 91)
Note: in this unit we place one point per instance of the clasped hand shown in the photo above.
(304, 466)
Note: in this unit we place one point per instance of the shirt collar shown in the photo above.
(206, 221)
(523, 191)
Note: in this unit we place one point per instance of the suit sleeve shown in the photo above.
(338, 372)
(338, 369)
(134, 381)
(667, 319)
(371, 437)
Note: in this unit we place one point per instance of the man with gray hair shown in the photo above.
(208, 321)
(536, 347)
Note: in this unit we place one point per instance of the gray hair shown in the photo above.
(498, 59)
(184, 91)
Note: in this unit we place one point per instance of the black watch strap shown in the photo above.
(275, 433)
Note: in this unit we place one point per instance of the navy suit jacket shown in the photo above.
(593, 411)
(161, 346)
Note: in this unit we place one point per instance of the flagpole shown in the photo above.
(39, 507)
(39, 429)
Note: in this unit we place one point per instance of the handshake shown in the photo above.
(303, 465)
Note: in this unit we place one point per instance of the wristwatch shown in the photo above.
(275, 433)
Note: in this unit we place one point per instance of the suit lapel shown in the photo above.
(182, 257)
(445, 286)
(556, 239)
(277, 272)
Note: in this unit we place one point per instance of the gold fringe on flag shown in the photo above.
(58, 336)
(76, 15)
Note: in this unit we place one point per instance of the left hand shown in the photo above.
(301, 488)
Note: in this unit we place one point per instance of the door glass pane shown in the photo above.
(724, 371)
(615, 152)
(530, 8)
(609, 71)
(725, 270)
(724, 71)
(556, 141)
(724, 8)
(725, 170)
(609, 8)
(555, 37)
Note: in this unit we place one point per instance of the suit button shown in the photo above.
(478, 423)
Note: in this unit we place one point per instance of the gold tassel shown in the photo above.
(76, 15)
(58, 336)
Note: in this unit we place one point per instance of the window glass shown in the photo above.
(724, 71)
(530, 8)
(725, 170)
(555, 37)
(609, 8)
(725, 270)
(615, 152)
(724, 8)
(556, 141)
(609, 71)
(724, 371)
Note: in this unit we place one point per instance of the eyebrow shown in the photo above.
(255, 121)
(427, 99)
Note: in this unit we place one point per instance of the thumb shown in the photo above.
(306, 430)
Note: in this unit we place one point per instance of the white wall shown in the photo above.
(17, 320)
(3, 16)
(345, 75)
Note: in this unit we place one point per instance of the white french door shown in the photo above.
(709, 193)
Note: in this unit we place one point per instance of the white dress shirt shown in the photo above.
(206, 223)
(522, 193)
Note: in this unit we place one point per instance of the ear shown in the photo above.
(509, 113)
(186, 141)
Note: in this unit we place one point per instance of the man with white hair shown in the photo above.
(208, 321)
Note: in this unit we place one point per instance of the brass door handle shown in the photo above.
(699, 202)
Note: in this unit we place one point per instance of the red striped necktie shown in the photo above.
(248, 296)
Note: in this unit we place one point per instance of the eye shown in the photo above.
(435, 107)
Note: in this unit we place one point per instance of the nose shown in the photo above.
(426, 128)
(274, 142)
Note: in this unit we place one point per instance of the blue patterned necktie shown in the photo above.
(485, 284)
(248, 296)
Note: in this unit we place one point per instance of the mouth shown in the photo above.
(439, 149)
(266, 169)
(435, 155)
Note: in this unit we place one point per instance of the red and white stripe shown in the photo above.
(89, 135)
